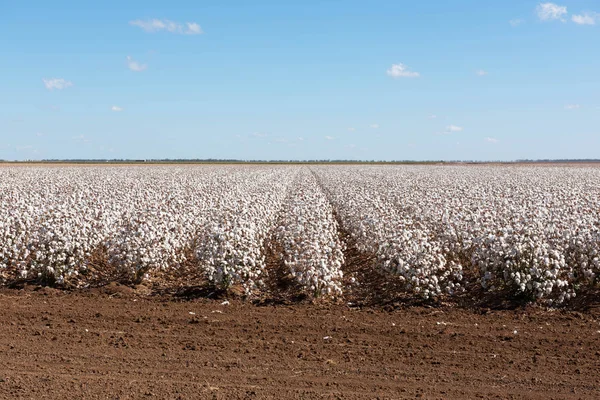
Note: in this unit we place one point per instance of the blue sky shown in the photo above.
(266, 79)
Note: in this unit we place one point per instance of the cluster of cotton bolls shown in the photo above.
(231, 248)
(583, 251)
(61, 244)
(62, 225)
(169, 207)
(309, 236)
(15, 230)
(150, 241)
(522, 226)
(523, 263)
(401, 243)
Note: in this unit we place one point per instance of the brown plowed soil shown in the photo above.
(118, 343)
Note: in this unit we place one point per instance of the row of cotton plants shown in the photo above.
(231, 248)
(309, 237)
(402, 244)
(531, 232)
(51, 221)
(56, 221)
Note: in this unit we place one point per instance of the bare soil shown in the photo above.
(121, 343)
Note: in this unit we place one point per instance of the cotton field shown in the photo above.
(531, 232)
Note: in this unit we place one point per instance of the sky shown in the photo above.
(300, 80)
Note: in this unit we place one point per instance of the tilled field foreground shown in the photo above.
(115, 343)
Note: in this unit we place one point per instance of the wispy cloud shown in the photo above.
(156, 25)
(134, 65)
(491, 140)
(329, 137)
(116, 108)
(481, 72)
(374, 126)
(401, 71)
(516, 22)
(451, 129)
(551, 12)
(351, 129)
(259, 135)
(193, 29)
(454, 128)
(572, 107)
(586, 18)
(57, 83)
(432, 116)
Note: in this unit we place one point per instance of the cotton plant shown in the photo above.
(583, 253)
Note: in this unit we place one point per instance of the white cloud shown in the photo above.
(155, 25)
(586, 18)
(134, 65)
(350, 146)
(451, 129)
(433, 116)
(193, 28)
(300, 139)
(329, 137)
(116, 108)
(57, 83)
(491, 140)
(572, 107)
(374, 126)
(259, 135)
(401, 71)
(454, 128)
(351, 129)
(516, 22)
(481, 72)
(551, 12)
